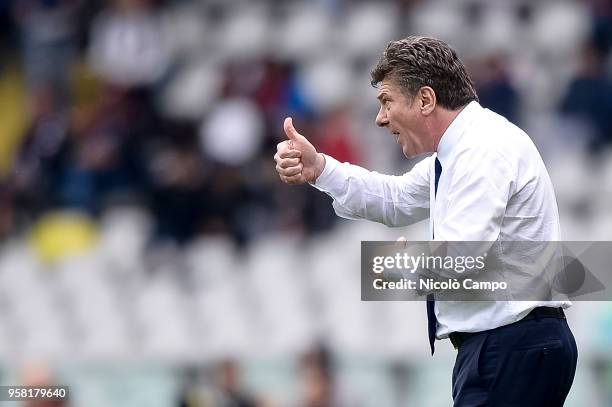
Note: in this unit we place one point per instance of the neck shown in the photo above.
(443, 119)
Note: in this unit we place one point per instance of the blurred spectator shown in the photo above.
(7, 33)
(316, 379)
(6, 211)
(36, 177)
(103, 148)
(47, 29)
(40, 375)
(494, 85)
(317, 385)
(602, 24)
(335, 136)
(177, 175)
(272, 92)
(226, 389)
(589, 96)
(228, 381)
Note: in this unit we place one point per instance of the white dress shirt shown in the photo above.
(494, 187)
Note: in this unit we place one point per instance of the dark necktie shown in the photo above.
(431, 315)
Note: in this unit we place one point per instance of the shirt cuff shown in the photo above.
(327, 179)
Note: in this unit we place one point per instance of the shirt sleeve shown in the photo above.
(482, 184)
(388, 199)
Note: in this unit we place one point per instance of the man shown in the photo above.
(485, 182)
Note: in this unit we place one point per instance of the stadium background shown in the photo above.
(151, 257)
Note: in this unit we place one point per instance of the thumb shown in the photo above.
(290, 131)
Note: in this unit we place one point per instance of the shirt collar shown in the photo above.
(455, 129)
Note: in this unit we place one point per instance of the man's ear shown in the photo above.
(427, 99)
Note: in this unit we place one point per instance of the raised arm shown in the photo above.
(357, 192)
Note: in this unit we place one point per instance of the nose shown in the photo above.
(381, 117)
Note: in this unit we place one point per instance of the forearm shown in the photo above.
(362, 194)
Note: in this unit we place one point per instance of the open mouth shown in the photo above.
(396, 134)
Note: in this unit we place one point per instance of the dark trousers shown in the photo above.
(530, 363)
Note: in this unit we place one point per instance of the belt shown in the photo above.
(457, 338)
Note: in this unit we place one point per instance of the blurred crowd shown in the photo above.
(173, 109)
(185, 133)
(177, 105)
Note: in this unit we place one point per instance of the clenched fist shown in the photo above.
(297, 161)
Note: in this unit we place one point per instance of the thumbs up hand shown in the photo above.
(297, 161)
